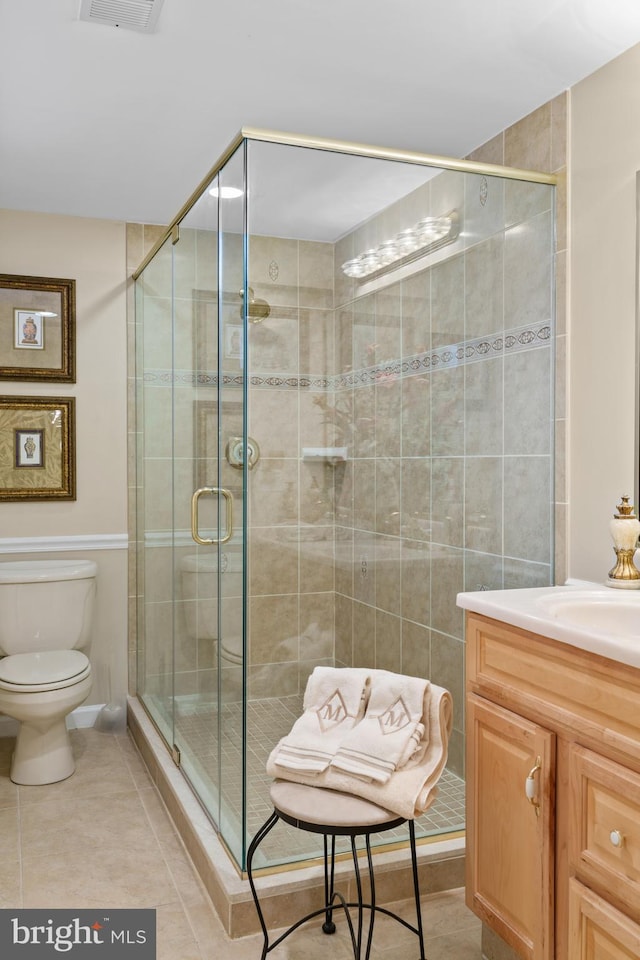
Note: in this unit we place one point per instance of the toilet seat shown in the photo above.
(39, 672)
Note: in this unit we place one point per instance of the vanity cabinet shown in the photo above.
(553, 795)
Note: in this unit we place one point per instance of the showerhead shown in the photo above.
(257, 309)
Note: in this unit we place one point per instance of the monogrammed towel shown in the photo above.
(391, 731)
(334, 700)
(409, 790)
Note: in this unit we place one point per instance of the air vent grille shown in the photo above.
(141, 15)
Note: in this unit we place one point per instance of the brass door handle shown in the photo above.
(212, 492)
(530, 786)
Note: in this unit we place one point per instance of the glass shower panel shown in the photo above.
(155, 482)
(235, 456)
(195, 425)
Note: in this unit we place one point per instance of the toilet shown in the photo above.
(200, 602)
(46, 609)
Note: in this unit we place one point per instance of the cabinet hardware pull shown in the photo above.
(617, 839)
(530, 786)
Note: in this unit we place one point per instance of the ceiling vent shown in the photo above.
(140, 15)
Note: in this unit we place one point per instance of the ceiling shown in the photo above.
(107, 122)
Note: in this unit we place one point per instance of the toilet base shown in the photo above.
(42, 757)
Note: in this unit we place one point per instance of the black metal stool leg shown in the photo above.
(329, 926)
(253, 846)
(416, 885)
(358, 946)
(372, 884)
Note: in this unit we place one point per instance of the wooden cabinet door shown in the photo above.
(509, 856)
(597, 931)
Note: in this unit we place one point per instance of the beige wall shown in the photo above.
(93, 253)
(605, 155)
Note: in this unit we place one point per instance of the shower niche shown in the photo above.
(344, 411)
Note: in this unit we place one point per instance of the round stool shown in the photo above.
(335, 814)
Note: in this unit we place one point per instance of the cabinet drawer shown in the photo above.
(566, 688)
(604, 836)
(597, 931)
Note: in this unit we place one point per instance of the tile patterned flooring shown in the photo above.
(103, 838)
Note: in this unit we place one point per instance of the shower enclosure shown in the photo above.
(344, 369)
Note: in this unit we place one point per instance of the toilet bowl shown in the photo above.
(200, 601)
(46, 609)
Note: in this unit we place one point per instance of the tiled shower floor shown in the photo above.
(267, 721)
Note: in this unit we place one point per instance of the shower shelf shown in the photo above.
(331, 455)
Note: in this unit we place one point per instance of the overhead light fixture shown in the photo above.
(423, 237)
(226, 193)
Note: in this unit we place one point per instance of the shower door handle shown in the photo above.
(212, 492)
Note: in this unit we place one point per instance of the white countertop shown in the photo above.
(592, 616)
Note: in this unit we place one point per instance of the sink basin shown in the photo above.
(618, 617)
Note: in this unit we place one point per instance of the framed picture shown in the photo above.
(37, 329)
(37, 448)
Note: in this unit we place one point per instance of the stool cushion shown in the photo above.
(330, 807)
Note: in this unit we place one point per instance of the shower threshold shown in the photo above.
(440, 857)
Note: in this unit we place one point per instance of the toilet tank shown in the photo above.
(46, 604)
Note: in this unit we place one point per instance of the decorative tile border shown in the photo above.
(517, 340)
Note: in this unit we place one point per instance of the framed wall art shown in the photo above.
(37, 448)
(37, 329)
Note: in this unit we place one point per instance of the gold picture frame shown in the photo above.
(37, 448)
(37, 328)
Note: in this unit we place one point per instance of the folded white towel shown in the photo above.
(334, 700)
(411, 789)
(391, 730)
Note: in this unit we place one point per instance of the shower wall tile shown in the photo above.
(273, 496)
(316, 493)
(416, 314)
(447, 193)
(483, 213)
(528, 272)
(273, 422)
(364, 415)
(344, 339)
(483, 571)
(344, 631)
(273, 270)
(206, 260)
(364, 332)
(317, 626)
(447, 501)
(416, 581)
(274, 629)
(364, 635)
(344, 564)
(364, 494)
(416, 497)
(527, 402)
(527, 514)
(343, 493)
(527, 144)
(388, 409)
(447, 670)
(523, 201)
(273, 344)
(316, 561)
(157, 345)
(559, 132)
(364, 574)
(388, 478)
(388, 655)
(416, 650)
(483, 405)
(447, 412)
(275, 680)
(316, 341)
(273, 562)
(317, 424)
(447, 569)
(447, 302)
(388, 324)
(483, 500)
(416, 416)
(157, 415)
(388, 574)
(315, 264)
(484, 281)
(519, 574)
